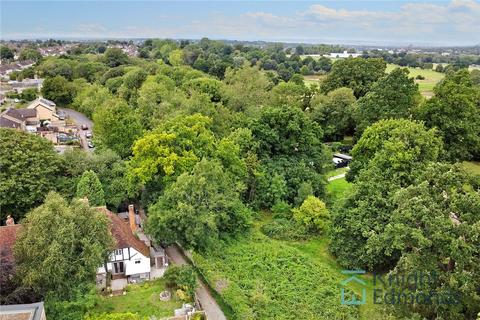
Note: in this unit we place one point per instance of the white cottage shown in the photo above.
(131, 258)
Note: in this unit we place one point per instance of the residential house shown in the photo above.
(46, 112)
(21, 119)
(131, 257)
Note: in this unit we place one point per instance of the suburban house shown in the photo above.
(39, 113)
(131, 257)
(46, 111)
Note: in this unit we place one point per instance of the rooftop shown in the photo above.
(33, 311)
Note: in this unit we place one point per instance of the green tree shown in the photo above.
(290, 145)
(334, 113)
(60, 247)
(246, 89)
(58, 89)
(394, 96)
(115, 57)
(390, 155)
(116, 126)
(52, 67)
(289, 94)
(400, 145)
(29, 167)
(175, 57)
(6, 53)
(107, 165)
(313, 214)
(358, 74)
(89, 186)
(454, 111)
(90, 97)
(183, 278)
(198, 209)
(435, 229)
(30, 54)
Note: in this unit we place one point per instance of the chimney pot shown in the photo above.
(131, 218)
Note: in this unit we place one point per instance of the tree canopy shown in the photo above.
(198, 208)
(60, 246)
(29, 169)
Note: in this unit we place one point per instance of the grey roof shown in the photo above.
(7, 123)
(20, 114)
(32, 311)
(47, 102)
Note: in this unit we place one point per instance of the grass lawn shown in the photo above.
(142, 299)
(337, 188)
(472, 167)
(425, 86)
(336, 172)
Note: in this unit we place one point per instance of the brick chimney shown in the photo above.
(10, 221)
(131, 218)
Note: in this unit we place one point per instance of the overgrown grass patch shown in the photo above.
(262, 278)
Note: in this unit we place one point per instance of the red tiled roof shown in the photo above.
(8, 235)
(123, 235)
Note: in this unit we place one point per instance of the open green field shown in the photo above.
(425, 86)
(142, 299)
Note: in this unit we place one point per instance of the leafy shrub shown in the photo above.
(181, 278)
(281, 209)
(285, 229)
(312, 214)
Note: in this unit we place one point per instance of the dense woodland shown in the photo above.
(208, 137)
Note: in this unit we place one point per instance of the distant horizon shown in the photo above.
(431, 23)
(286, 42)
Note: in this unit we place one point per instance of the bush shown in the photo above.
(313, 214)
(181, 278)
(281, 209)
(420, 77)
(285, 229)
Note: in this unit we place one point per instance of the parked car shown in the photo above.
(90, 144)
(88, 134)
(61, 115)
(84, 127)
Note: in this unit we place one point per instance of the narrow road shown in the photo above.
(79, 118)
(208, 303)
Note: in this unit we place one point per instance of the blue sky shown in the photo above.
(454, 22)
